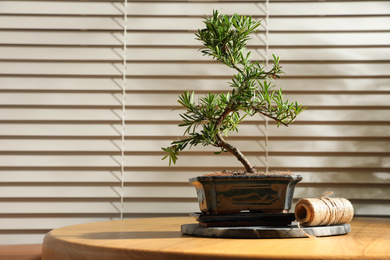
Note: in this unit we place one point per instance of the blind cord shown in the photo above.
(123, 133)
(266, 65)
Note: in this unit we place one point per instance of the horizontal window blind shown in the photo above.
(61, 81)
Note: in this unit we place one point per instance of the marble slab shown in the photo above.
(291, 231)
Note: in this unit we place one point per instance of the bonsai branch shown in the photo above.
(278, 120)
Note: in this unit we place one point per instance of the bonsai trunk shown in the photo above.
(237, 153)
(230, 148)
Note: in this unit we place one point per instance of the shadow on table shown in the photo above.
(132, 235)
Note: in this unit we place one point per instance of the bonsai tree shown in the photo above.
(213, 117)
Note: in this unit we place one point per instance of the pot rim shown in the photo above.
(244, 177)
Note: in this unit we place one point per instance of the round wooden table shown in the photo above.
(160, 238)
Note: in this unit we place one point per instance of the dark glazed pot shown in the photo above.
(256, 193)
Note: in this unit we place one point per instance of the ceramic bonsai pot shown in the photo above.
(254, 193)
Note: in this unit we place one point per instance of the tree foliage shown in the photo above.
(214, 116)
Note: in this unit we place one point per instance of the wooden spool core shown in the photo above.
(303, 213)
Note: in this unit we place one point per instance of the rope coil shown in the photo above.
(323, 211)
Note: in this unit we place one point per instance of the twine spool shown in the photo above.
(323, 211)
